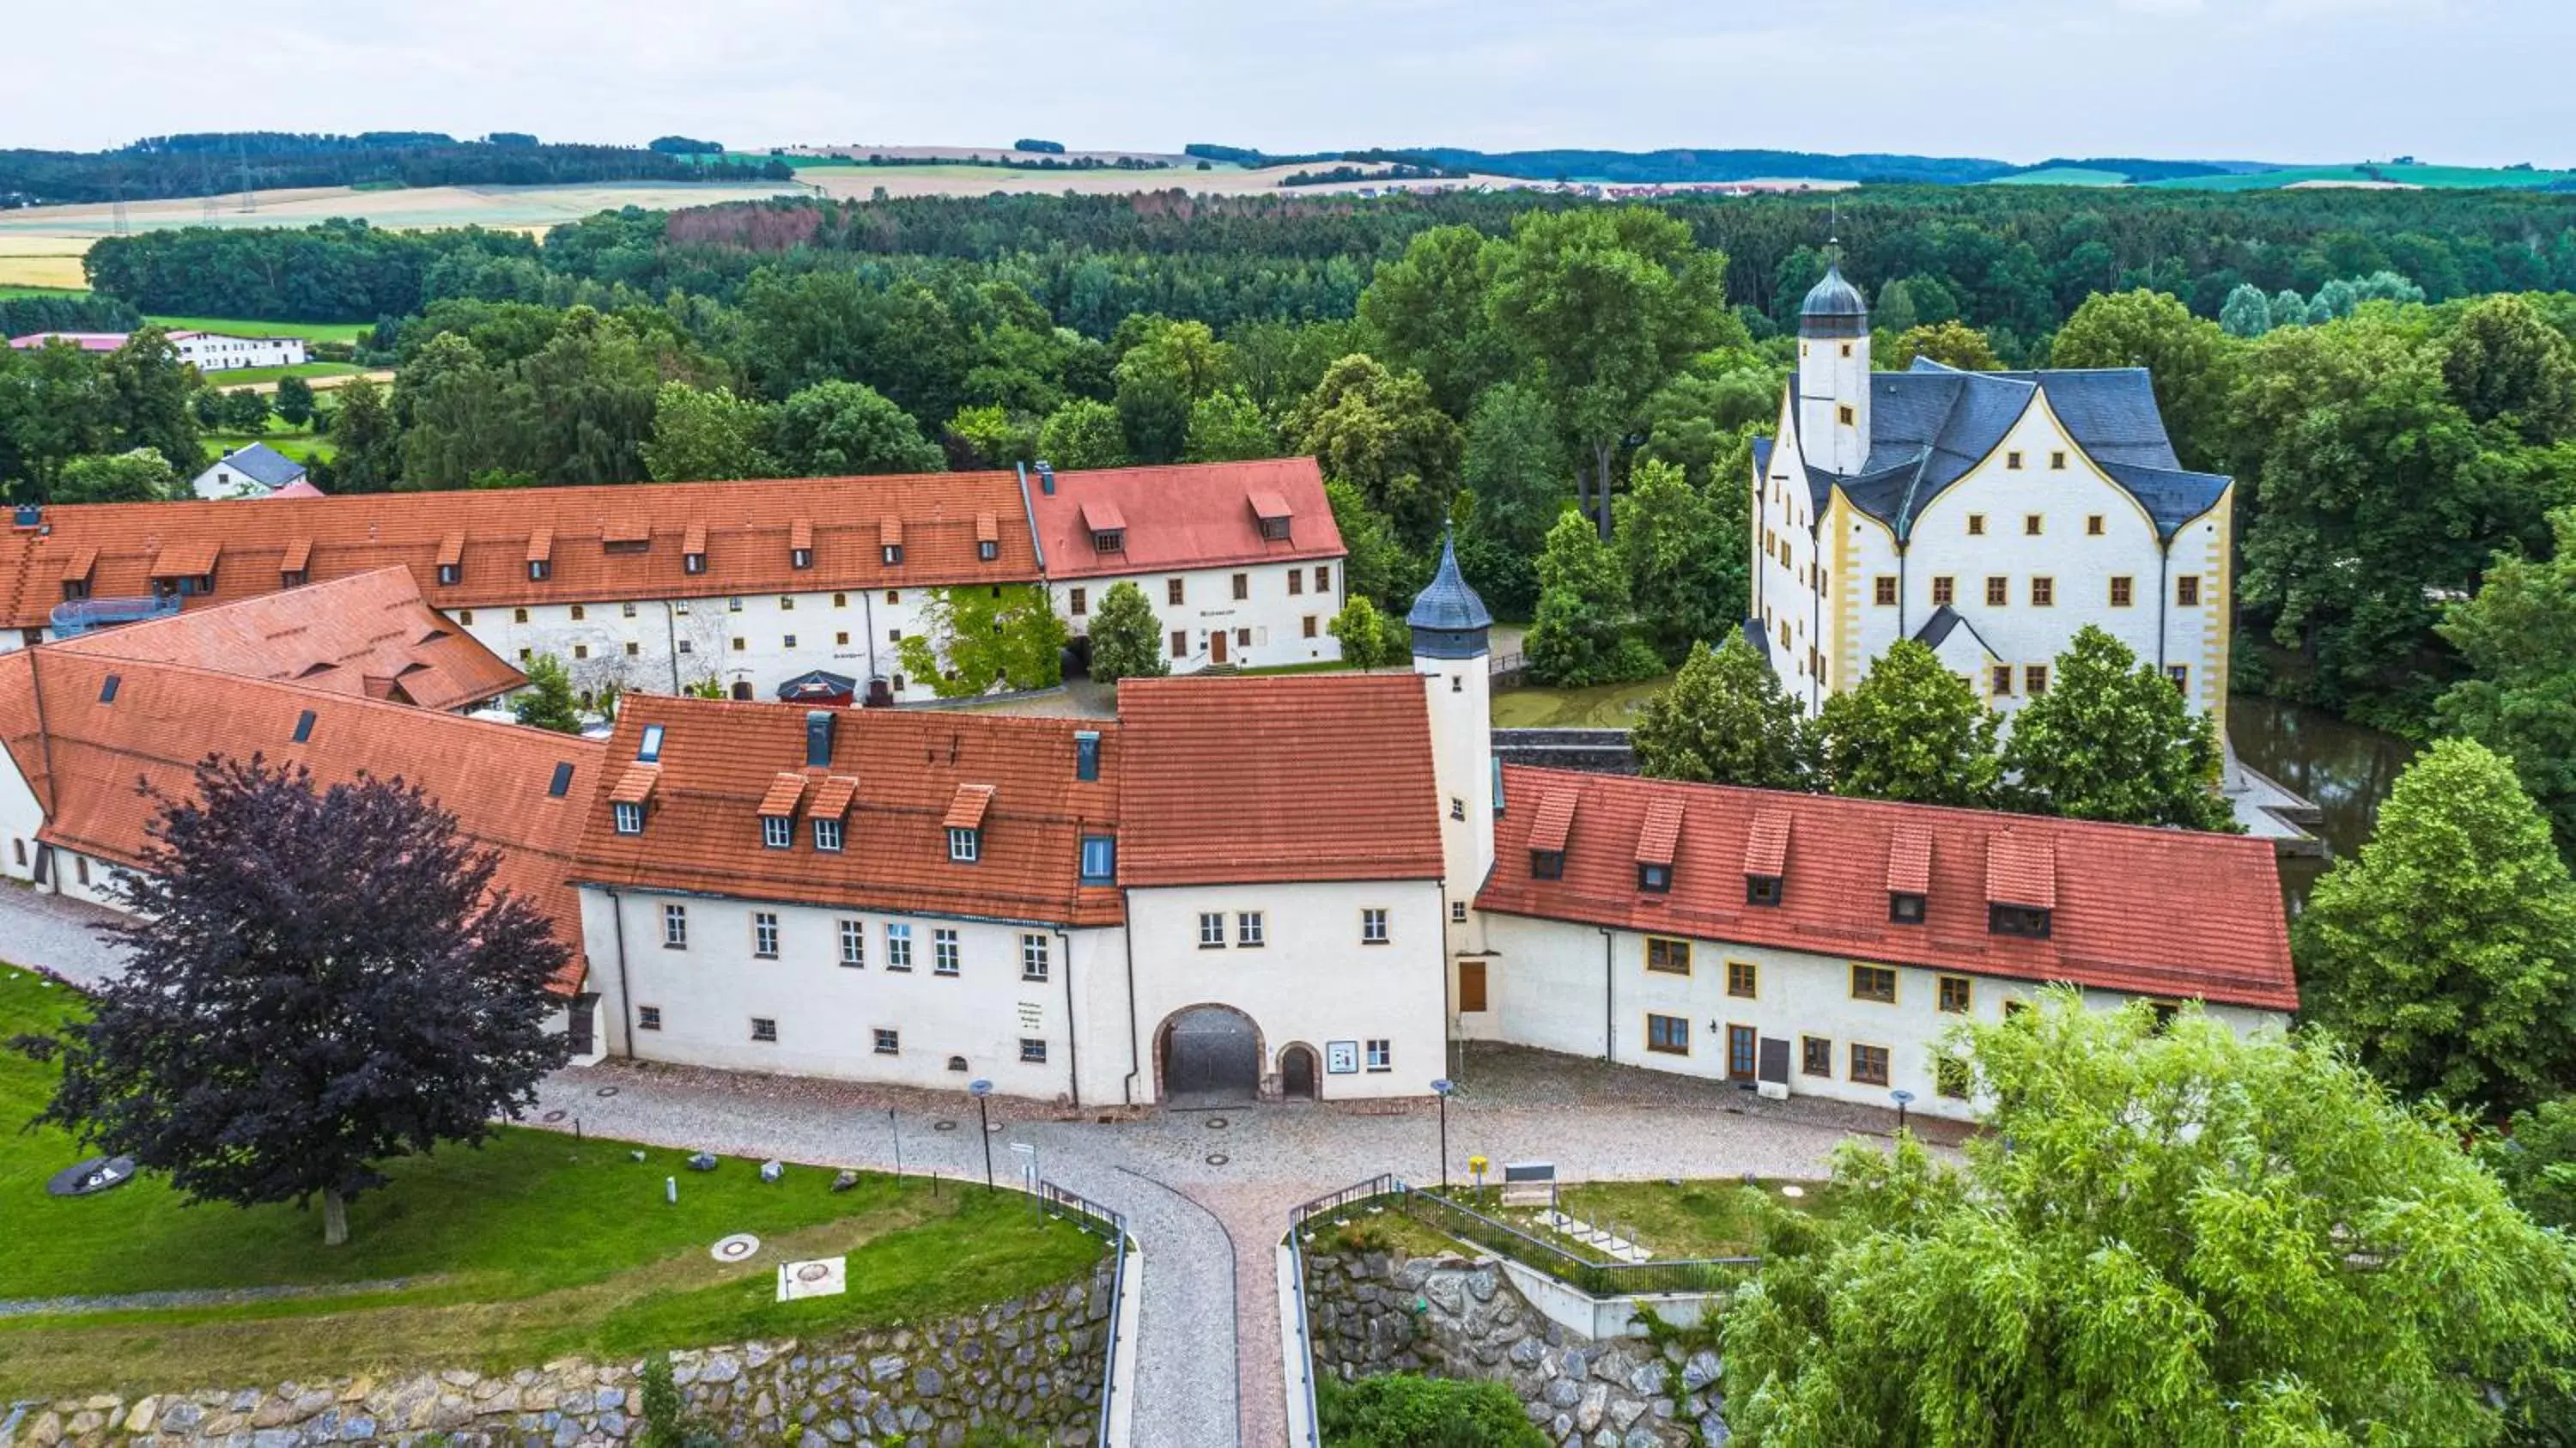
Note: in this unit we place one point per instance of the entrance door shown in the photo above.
(578, 1023)
(1297, 1073)
(1471, 986)
(1216, 646)
(1741, 1044)
(1211, 1057)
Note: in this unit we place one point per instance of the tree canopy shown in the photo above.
(1724, 720)
(1126, 638)
(294, 1012)
(2167, 1233)
(1911, 730)
(2111, 740)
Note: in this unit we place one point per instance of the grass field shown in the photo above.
(2433, 177)
(247, 376)
(242, 327)
(50, 262)
(2062, 176)
(533, 1247)
(300, 445)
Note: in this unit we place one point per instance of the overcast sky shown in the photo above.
(2464, 81)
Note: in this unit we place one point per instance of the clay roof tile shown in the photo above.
(1909, 860)
(785, 792)
(966, 808)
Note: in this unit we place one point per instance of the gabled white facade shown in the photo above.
(1257, 616)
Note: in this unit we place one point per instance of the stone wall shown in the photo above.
(1032, 1367)
(1376, 1312)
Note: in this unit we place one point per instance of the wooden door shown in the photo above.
(1216, 646)
(1471, 985)
(1742, 1042)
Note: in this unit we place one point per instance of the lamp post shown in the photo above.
(1900, 1096)
(895, 1129)
(983, 1119)
(1441, 1088)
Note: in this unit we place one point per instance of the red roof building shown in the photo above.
(1130, 521)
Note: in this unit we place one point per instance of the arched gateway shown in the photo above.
(1208, 1055)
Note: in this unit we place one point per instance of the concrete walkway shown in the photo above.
(1207, 1193)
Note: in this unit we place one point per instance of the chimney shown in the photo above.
(1046, 477)
(818, 739)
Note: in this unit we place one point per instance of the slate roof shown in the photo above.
(1936, 629)
(1284, 778)
(2115, 889)
(370, 634)
(1206, 515)
(723, 762)
(1930, 424)
(1448, 603)
(91, 756)
(264, 465)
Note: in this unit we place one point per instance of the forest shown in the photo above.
(216, 163)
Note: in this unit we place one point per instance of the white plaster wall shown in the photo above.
(1312, 982)
(1786, 598)
(214, 353)
(853, 632)
(1275, 617)
(20, 817)
(223, 481)
(1545, 983)
(827, 1013)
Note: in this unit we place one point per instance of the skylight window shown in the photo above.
(651, 750)
(561, 785)
(304, 727)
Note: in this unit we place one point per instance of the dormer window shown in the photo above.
(1086, 754)
(800, 557)
(291, 578)
(1275, 530)
(827, 836)
(1109, 540)
(1762, 890)
(986, 550)
(693, 563)
(1904, 908)
(1655, 879)
(800, 543)
(540, 569)
(449, 573)
(965, 846)
(776, 832)
(2027, 922)
(1547, 864)
(891, 554)
(75, 589)
(629, 817)
(1099, 859)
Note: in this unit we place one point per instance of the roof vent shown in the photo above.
(1046, 477)
(818, 739)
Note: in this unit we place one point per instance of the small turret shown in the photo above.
(1833, 376)
(1451, 630)
(1448, 620)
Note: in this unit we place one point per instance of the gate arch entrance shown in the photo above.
(1207, 1056)
(1297, 1072)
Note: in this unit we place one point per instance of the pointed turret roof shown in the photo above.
(1448, 603)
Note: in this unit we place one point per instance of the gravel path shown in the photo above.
(55, 935)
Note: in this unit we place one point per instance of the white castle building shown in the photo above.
(1306, 886)
(1989, 515)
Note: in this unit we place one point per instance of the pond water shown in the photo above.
(2343, 768)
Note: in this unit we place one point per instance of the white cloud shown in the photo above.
(2017, 79)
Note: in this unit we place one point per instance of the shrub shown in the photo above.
(1401, 1410)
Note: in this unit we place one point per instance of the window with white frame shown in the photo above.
(963, 846)
(648, 1018)
(1247, 928)
(1032, 1051)
(1381, 1054)
(630, 817)
(1211, 930)
(775, 831)
(898, 947)
(1033, 957)
(764, 934)
(1373, 926)
(943, 951)
(889, 1043)
(854, 944)
(675, 927)
(827, 835)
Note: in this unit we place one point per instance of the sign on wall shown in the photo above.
(1342, 1058)
(1032, 1016)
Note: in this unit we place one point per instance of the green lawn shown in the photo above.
(2063, 176)
(300, 445)
(1716, 1218)
(2432, 177)
(1605, 706)
(16, 291)
(235, 326)
(529, 1248)
(246, 376)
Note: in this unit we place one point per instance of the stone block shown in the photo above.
(1703, 1369)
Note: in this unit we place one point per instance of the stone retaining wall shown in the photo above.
(1032, 1367)
(1449, 1316)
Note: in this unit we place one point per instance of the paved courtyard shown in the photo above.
(1206, 1193)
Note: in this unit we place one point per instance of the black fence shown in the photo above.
(1090, 1216)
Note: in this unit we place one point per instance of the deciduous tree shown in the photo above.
(2187, 359)
(2446, 950)
(1514, 466)
(294, 400)
(976, 638)
(1083, 434)
(1911, 730)
(2111, 740)
(1584, 631)
(1228, 427)
(547, 702)
(139, 476)
(1724, 720)
(1685, 564)
(702, 436)
(1166, 368)
(2167, 1233)
(1380, 432)
(1370, 639)
(294, 1009)
(2518, 636)
(1431, 312)
(837, 428)
(1126, 637)
(2507, 365)
(1953, 344)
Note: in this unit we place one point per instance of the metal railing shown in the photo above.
(1383, 1184)
(1092, 1216)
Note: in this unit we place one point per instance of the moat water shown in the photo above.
(2341, 767)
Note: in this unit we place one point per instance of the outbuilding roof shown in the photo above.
(264, 465)
(1202, 516)
(2113, 891)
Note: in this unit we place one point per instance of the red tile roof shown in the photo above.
(1555, 820)
(1187, 517)
(369, 634)
(1909, 860)
(742, 527)
(1766, 844)
(636, 785)
(832, 799)
(966, 808)
(2119, 891)
(494, 778)
(2021, 870)
(1295, 777)
(785, 793)
(720, 759)
(1657, 835)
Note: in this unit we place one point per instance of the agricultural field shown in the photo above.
(41, 263)
(537, 1245)
(2432, 177)
(47, 229)
(2062, 176)
(266, 377)
(243, 327)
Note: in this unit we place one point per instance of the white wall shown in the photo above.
(209, 352)
(1788, 594)
(1273, 619)
(1545, 987)
(827, 1013)
(1312, 982)
(853, 632)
